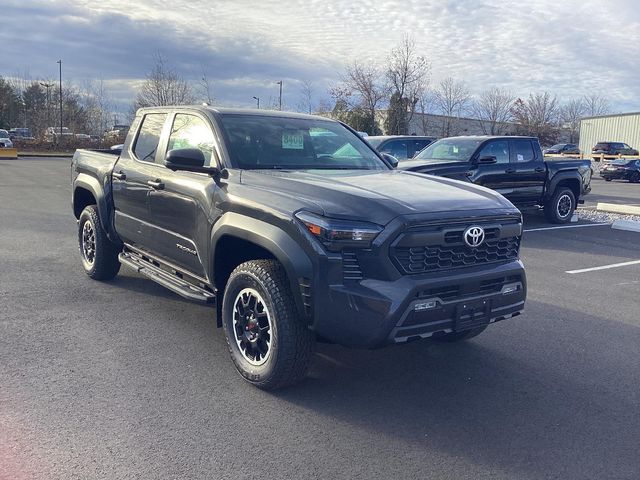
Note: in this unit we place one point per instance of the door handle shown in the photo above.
(510, 170)
(119, 175)
(156, 184)
(539, 169)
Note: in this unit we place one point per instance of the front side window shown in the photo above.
(190, 131)
(147, 142)
(450, 150)
(523, 151)
(498, 149)
(397, 148)
(270, 142)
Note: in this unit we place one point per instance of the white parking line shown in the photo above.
(566, 226)
(604, 267)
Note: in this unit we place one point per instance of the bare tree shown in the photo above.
(98, 105)
(595, 105)
(425, 106)
(367, 83)
(493, 110)
(205, 88)
(452, 98)
(538, 116)
(408, 77)
(163, 86)
(306, 94)
(570, 115)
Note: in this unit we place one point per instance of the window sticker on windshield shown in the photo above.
(455, 149)
(293, 140)
(520, 157)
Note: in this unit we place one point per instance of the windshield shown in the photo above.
(265, 142)
(450, 150)
(4, 134)
(558, 146)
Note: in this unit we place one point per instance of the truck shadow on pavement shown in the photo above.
(542, 396)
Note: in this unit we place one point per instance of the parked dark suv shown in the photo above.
(622, 169)
(613, 148)
(402, 147)
(562, 148)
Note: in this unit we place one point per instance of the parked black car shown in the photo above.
(613, 148)
(560, 148)
(295, 237)
(621, 170)
(401, 147)
(513, 166)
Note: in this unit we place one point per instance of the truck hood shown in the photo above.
(374, 195)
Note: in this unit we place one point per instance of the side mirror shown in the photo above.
(391, 159)
(488, 159)
(184, 159)
(191, 160)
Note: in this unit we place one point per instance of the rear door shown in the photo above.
(528, 172)
(183, 209)
(131, 178)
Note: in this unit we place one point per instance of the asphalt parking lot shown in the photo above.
(124, 379)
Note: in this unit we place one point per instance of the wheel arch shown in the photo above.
(236, 239)
(570, 180)
(88, 191)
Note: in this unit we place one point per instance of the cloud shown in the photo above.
(570, 48)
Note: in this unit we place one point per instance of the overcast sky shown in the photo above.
(569, 47)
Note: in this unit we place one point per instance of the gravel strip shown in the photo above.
(596, 216)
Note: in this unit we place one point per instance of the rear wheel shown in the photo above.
(560, 207)
(269, 345)
(460, 336)
(607, 179)
(99, 255)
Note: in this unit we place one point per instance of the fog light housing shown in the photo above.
(510, 288)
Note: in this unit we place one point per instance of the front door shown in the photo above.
(182, 211)
(496, 176)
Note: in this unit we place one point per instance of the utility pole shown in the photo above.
(60, 132)
(48, 86)
(280, 100)
(257, 99)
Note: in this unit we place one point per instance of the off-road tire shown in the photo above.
(460, 336)
(555, 209)
(105, 264)
(292, 343)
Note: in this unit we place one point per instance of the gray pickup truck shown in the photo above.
(298, 231)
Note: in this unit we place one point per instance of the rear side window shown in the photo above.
(523, 151)
(189, 131)
(147, 142)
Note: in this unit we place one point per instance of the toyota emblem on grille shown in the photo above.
(473, 236)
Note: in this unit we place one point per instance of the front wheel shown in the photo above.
(560, 207)
(635, 177)
(99, 255)
(269, 345)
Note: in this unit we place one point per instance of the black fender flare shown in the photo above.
(91, 184)
(560, 176)
(280, 244)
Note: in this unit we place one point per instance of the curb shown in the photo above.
(615, 208)
(628, 225)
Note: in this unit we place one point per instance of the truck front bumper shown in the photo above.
(372, 313)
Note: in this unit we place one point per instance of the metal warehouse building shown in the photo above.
(624, 127)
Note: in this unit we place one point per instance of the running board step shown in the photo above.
(166, 279)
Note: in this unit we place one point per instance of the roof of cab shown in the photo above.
(235, 111)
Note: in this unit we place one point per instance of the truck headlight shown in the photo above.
(336, 234)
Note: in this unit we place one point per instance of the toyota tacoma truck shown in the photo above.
(514, 167)
(297, 231)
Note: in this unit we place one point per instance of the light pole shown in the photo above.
(280, 98)
(59, 62)
(48, 86)
(257, 99)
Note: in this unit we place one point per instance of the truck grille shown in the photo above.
(445, 248)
